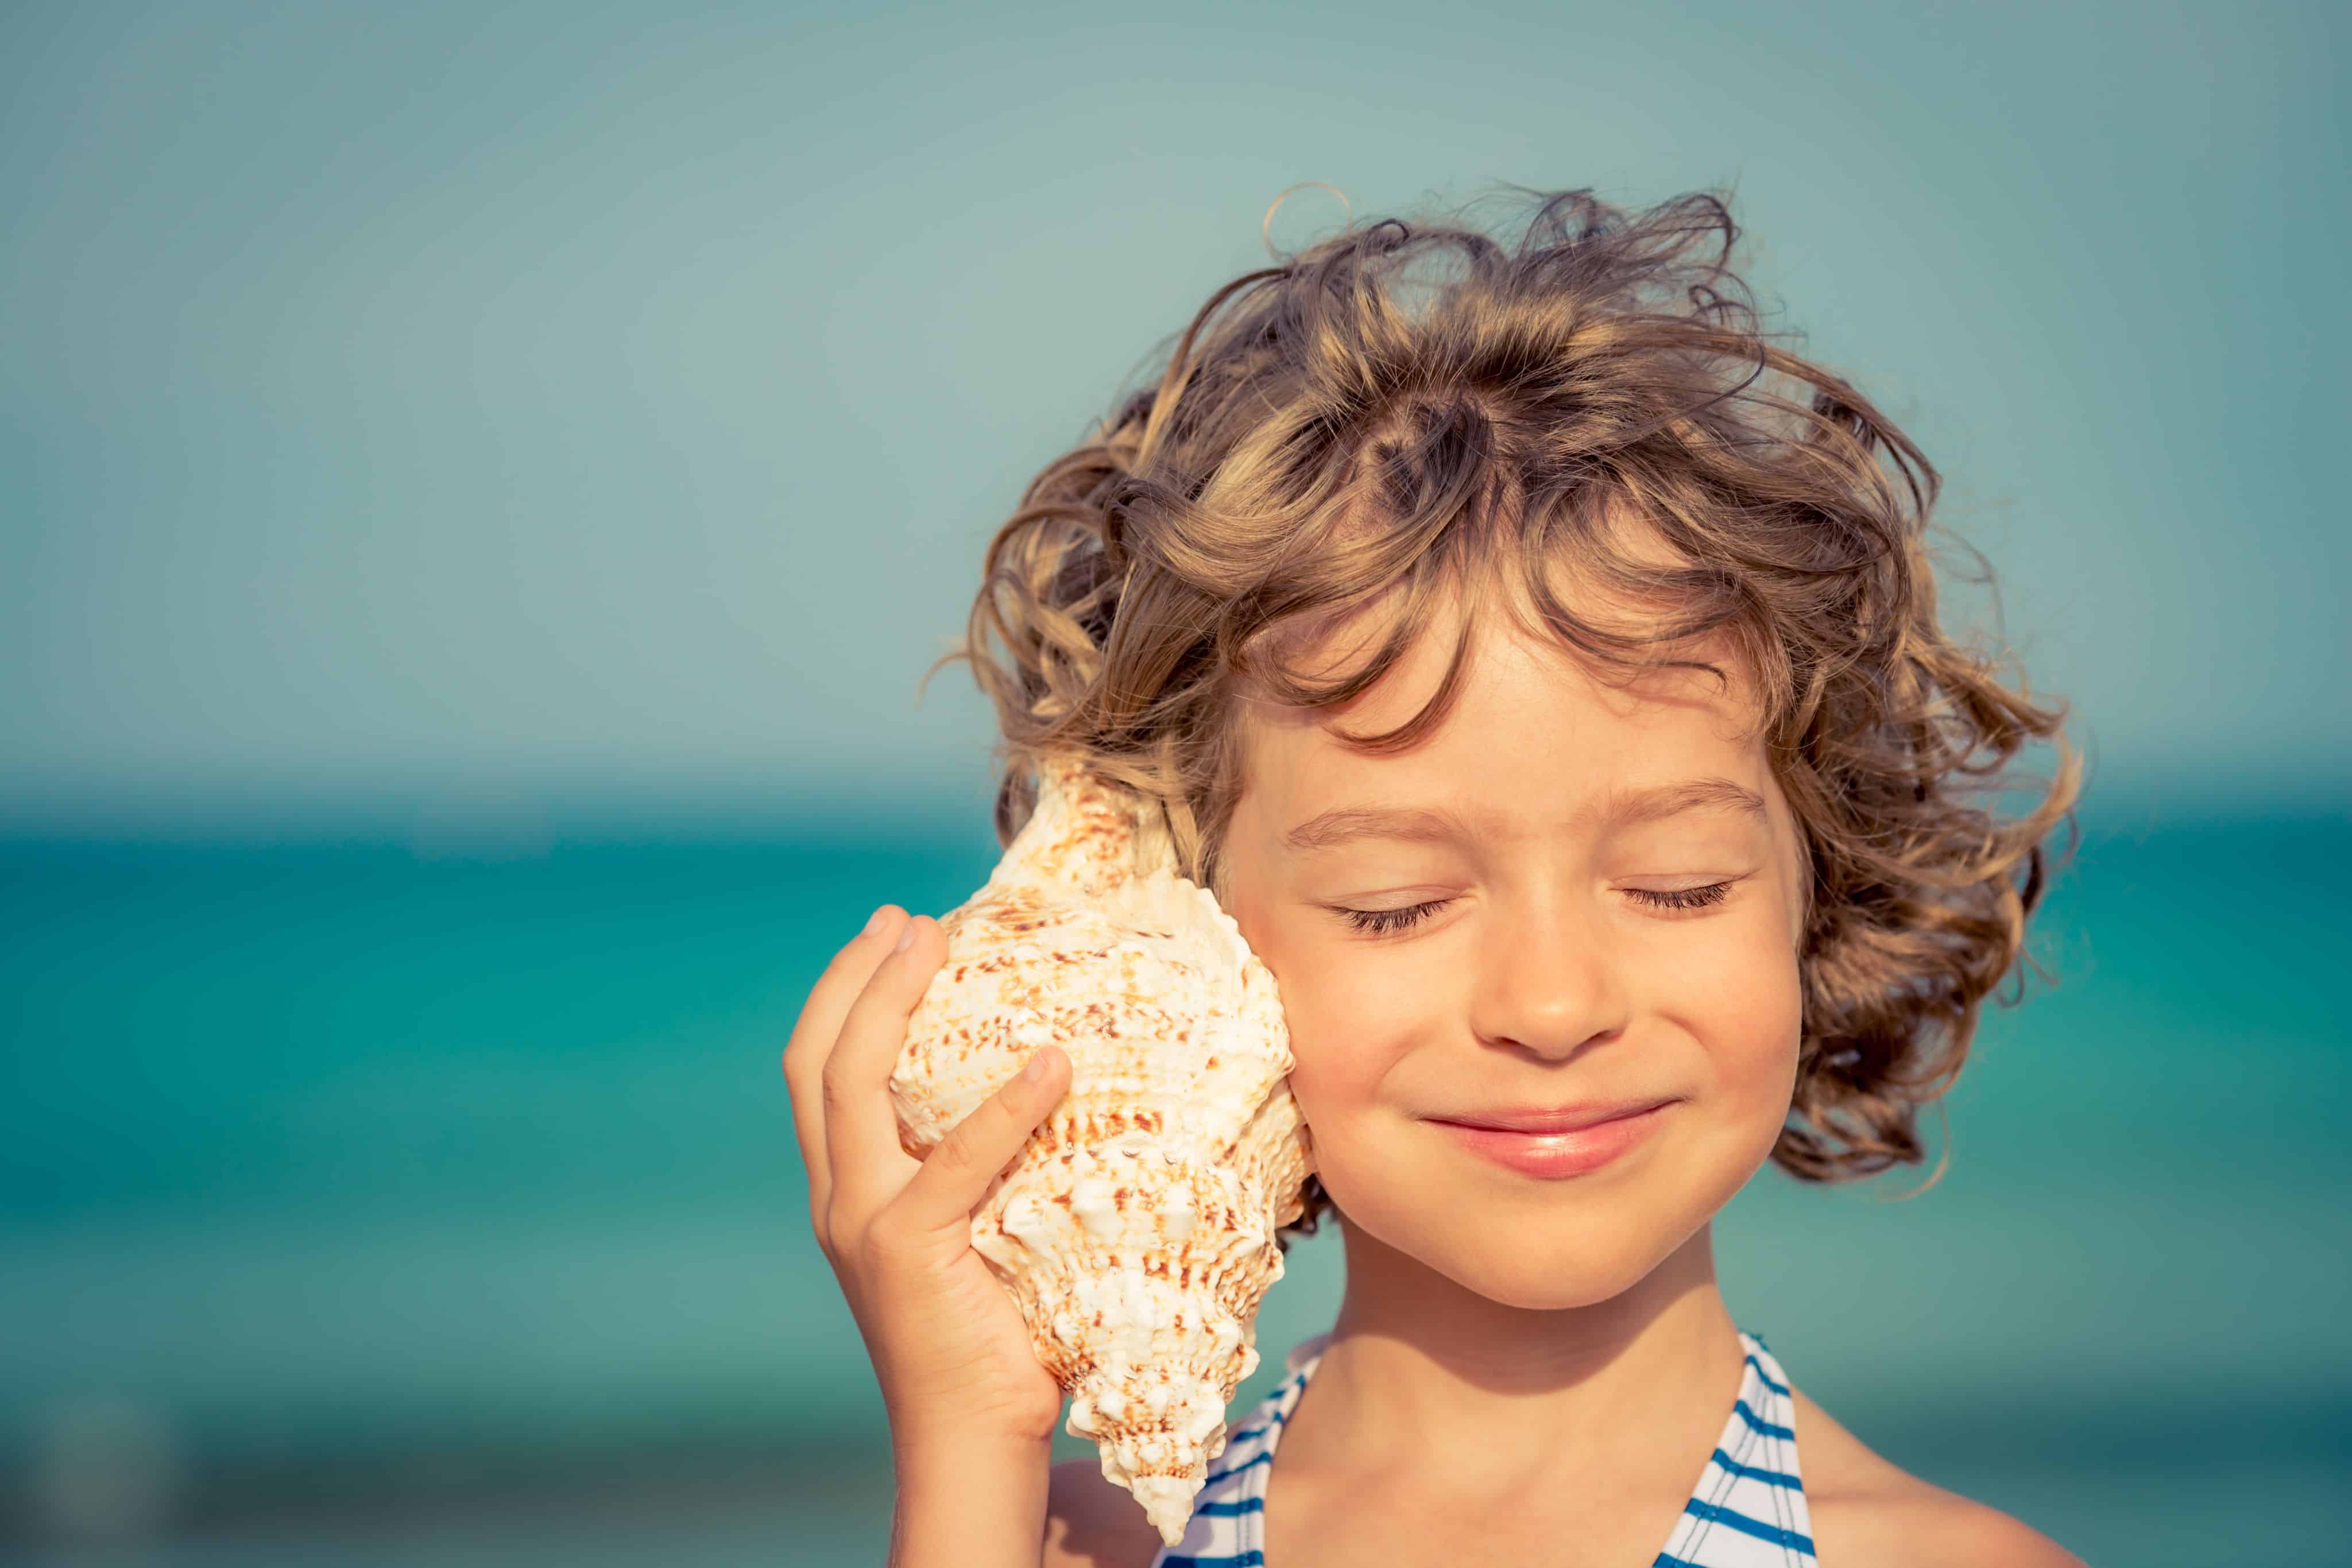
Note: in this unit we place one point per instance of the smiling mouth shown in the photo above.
(1553, 1156)
(1561, 1119)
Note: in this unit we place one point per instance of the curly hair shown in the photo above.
(1318, 442)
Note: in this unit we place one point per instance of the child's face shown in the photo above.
(1545, 978)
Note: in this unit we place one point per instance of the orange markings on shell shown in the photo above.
(1049, 940)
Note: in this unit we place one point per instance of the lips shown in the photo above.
(1552, 1155)
(1554, 1119)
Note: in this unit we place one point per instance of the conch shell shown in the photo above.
(1136, 1229)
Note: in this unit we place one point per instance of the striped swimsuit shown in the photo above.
(1747, 1512)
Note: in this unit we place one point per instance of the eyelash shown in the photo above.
(1388, 922)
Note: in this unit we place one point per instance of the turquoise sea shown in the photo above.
(370, 1206)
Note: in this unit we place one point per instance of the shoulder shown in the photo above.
(1928, 1527)
(1868, 1512)
(1092, 1524)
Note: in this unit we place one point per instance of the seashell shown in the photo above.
(1135, 1227)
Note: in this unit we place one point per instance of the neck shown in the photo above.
(1419, 1362)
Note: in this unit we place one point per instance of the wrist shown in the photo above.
(948, 1449)
(970, 1500)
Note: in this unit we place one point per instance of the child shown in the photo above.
(1541, 664)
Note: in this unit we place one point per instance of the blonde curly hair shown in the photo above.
(1319, 441)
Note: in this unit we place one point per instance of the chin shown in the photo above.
(1532, 1259)
(1544, 1277)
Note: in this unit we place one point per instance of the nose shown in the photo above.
(1549, 981)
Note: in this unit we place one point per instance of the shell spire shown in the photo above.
(1085, 836)
(1136, 1229)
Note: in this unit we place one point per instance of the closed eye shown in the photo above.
(1388, 922)
(1683, 897)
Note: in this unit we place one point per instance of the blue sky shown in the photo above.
(451, 410)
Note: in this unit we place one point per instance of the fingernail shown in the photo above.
(874, 922)
(1034, 1068)
(905, 938)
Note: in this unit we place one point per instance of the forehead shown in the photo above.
(1526, 703)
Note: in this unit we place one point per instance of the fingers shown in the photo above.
(860, 1129)
(954, 1177)
(819, 1026)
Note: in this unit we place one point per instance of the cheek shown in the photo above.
(1353, 1017)
(1750, 1000)
(1747, 1014)
(1350, 1023)
(1333, 1001)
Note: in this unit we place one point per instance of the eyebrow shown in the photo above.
(1624, 809)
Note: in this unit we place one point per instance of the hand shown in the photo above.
(947, 1344)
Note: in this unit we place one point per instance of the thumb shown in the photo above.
(954, 1177)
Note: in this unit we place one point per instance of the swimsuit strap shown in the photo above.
(1747, 1510)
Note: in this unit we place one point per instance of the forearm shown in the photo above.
(970, 1504)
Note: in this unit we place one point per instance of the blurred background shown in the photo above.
(481, 483)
